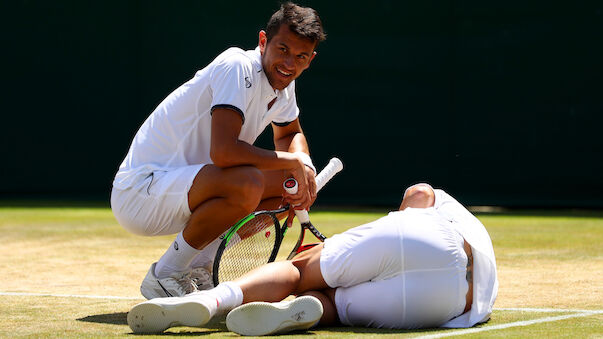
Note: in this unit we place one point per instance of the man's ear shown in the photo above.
(310, 61)
(262, 41)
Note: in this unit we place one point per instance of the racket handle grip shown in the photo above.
(333, 167)
(302, 216)
(290, 186)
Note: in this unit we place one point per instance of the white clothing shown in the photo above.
(405, 270)
(485, 279)
(178, 132)
(408, 269)
(158, 205)
(150, 189)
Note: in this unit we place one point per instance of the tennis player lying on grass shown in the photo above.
(430, 264)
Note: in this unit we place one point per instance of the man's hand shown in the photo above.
(306, 193)
(311, 177)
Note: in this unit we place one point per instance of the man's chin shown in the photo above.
(279, 85)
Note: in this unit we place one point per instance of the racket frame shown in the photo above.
(227, 237)
(335, 165)
(298, 248)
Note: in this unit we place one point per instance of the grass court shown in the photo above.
(73, 272)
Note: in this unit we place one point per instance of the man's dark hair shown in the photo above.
(303, 21)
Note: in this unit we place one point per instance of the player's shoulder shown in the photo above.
(235, 57)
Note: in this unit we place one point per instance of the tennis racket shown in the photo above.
(256, 239)
(290, 186)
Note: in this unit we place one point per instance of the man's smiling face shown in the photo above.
(285, 57)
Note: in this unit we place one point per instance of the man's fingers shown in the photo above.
(312, 191)
(290, 217)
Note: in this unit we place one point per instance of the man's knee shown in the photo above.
(240, 187)
(248, 188)
(418, 196)
(327, 299)
(308, 264)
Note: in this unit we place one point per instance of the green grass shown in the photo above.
(551, 260)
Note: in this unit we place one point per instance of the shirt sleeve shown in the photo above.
(230, 82)
(291, 111)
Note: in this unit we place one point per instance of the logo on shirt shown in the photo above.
(176, 245)
(247, 82)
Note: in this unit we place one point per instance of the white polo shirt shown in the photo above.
(178, 132)
(485, 279)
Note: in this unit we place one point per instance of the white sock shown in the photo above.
(205, 258)
(229, 296)
(177, 258)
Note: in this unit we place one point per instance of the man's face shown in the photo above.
(285, 57)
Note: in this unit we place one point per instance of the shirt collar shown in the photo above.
(268, 93)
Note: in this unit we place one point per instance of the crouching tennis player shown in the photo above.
(430, 264)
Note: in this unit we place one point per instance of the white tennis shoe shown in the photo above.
(262, 318)
(202, 278)
(177, 285)
(157, 315)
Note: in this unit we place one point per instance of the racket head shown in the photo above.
(260, 239)
(300, 246)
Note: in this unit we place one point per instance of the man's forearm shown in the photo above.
(296, 143)
(241, 153)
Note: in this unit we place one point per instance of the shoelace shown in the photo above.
(203, 278)
(185, 283)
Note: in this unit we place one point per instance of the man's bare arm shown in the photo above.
(228, 151)
(291, 138)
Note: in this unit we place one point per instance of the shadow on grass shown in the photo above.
(119, 318)
(370, 330)
(218, 324)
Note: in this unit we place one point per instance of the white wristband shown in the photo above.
(306, 160)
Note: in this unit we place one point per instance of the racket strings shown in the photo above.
(255, 225)
(258, 237)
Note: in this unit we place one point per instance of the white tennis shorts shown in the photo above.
(158, 205)
(405, 270)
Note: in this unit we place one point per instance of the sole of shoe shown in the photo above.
(260, 318)
(157, 316)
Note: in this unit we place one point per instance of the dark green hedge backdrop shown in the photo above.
(500, 103)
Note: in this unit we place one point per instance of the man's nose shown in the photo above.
(289, 63)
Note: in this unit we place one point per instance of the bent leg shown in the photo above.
(278, 280)
(327, 299)
(218, 198)
(371, 251)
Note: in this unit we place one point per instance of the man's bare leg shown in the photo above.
(220, 197)
(301, 276)
(271, 282)
(278, 280)
(327, 299)
(203, 259)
